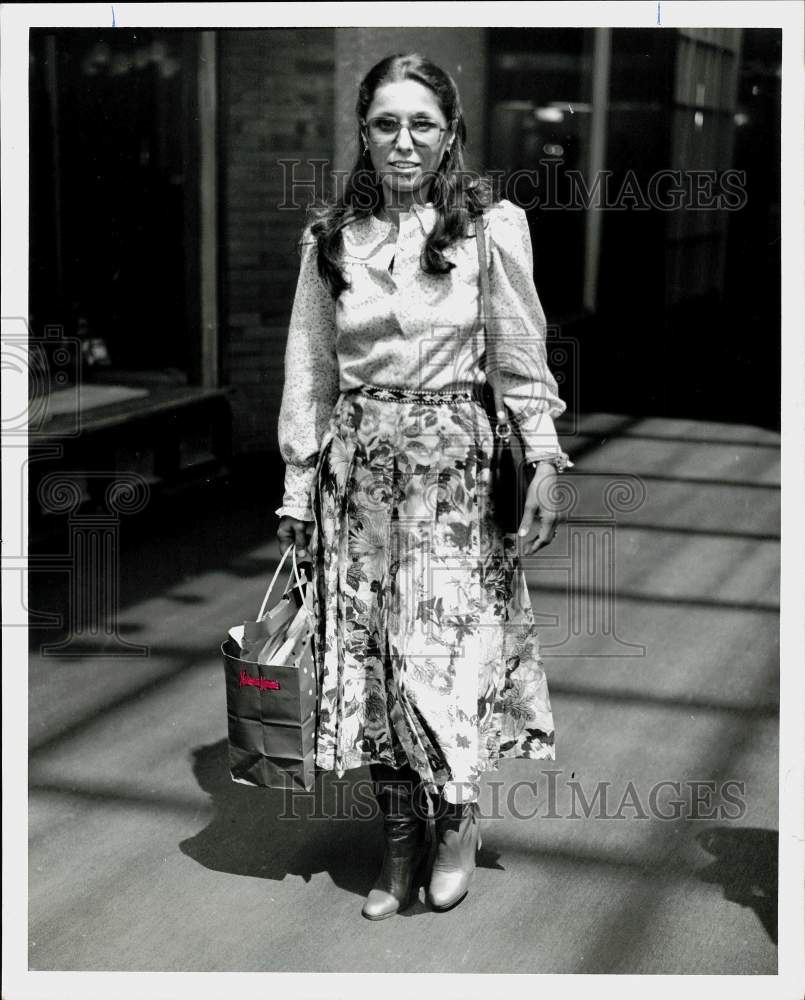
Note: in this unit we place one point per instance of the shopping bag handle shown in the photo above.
(292, 550)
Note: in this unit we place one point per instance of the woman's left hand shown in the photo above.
(538, 510)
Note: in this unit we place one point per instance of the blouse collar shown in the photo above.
(362, 237)
(426, 214)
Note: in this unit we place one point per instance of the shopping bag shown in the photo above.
(271, 689)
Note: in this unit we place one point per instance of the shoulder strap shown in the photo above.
(492, 369)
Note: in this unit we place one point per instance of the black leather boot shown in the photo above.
(404, 830)
(458, 837)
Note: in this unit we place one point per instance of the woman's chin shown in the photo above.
(396, 186)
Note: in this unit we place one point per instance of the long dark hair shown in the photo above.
(456, 196)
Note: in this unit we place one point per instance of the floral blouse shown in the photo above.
(397, 326)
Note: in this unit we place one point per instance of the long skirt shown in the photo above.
(426, 647)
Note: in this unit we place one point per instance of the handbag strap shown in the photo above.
(502, 428)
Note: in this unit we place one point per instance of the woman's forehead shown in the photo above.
(404, 97)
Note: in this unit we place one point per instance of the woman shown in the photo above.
(427, 653)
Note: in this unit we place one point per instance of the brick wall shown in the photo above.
(276, 102)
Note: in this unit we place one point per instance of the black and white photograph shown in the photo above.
(403, 476)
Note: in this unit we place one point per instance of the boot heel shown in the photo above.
(459, 839)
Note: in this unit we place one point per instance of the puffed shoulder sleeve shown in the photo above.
(311, 382)
(529, 388)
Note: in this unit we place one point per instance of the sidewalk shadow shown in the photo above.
(746, 866)
(270, 833)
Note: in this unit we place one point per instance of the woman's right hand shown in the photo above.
(292, 531)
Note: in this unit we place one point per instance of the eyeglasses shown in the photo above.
(383, 130)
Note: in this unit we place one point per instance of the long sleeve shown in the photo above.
(529, 388)
(311, 383)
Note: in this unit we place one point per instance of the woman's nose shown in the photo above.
(404, 140)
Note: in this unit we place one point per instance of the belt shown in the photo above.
(417, 395)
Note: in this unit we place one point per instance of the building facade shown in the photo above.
(170, 170)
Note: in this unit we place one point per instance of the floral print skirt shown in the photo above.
(426, 647)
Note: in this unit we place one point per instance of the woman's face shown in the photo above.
(406, 163)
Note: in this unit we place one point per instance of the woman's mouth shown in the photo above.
(404, 166)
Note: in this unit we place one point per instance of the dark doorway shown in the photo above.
(114, 191)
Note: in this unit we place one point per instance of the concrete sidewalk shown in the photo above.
(144, 855)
